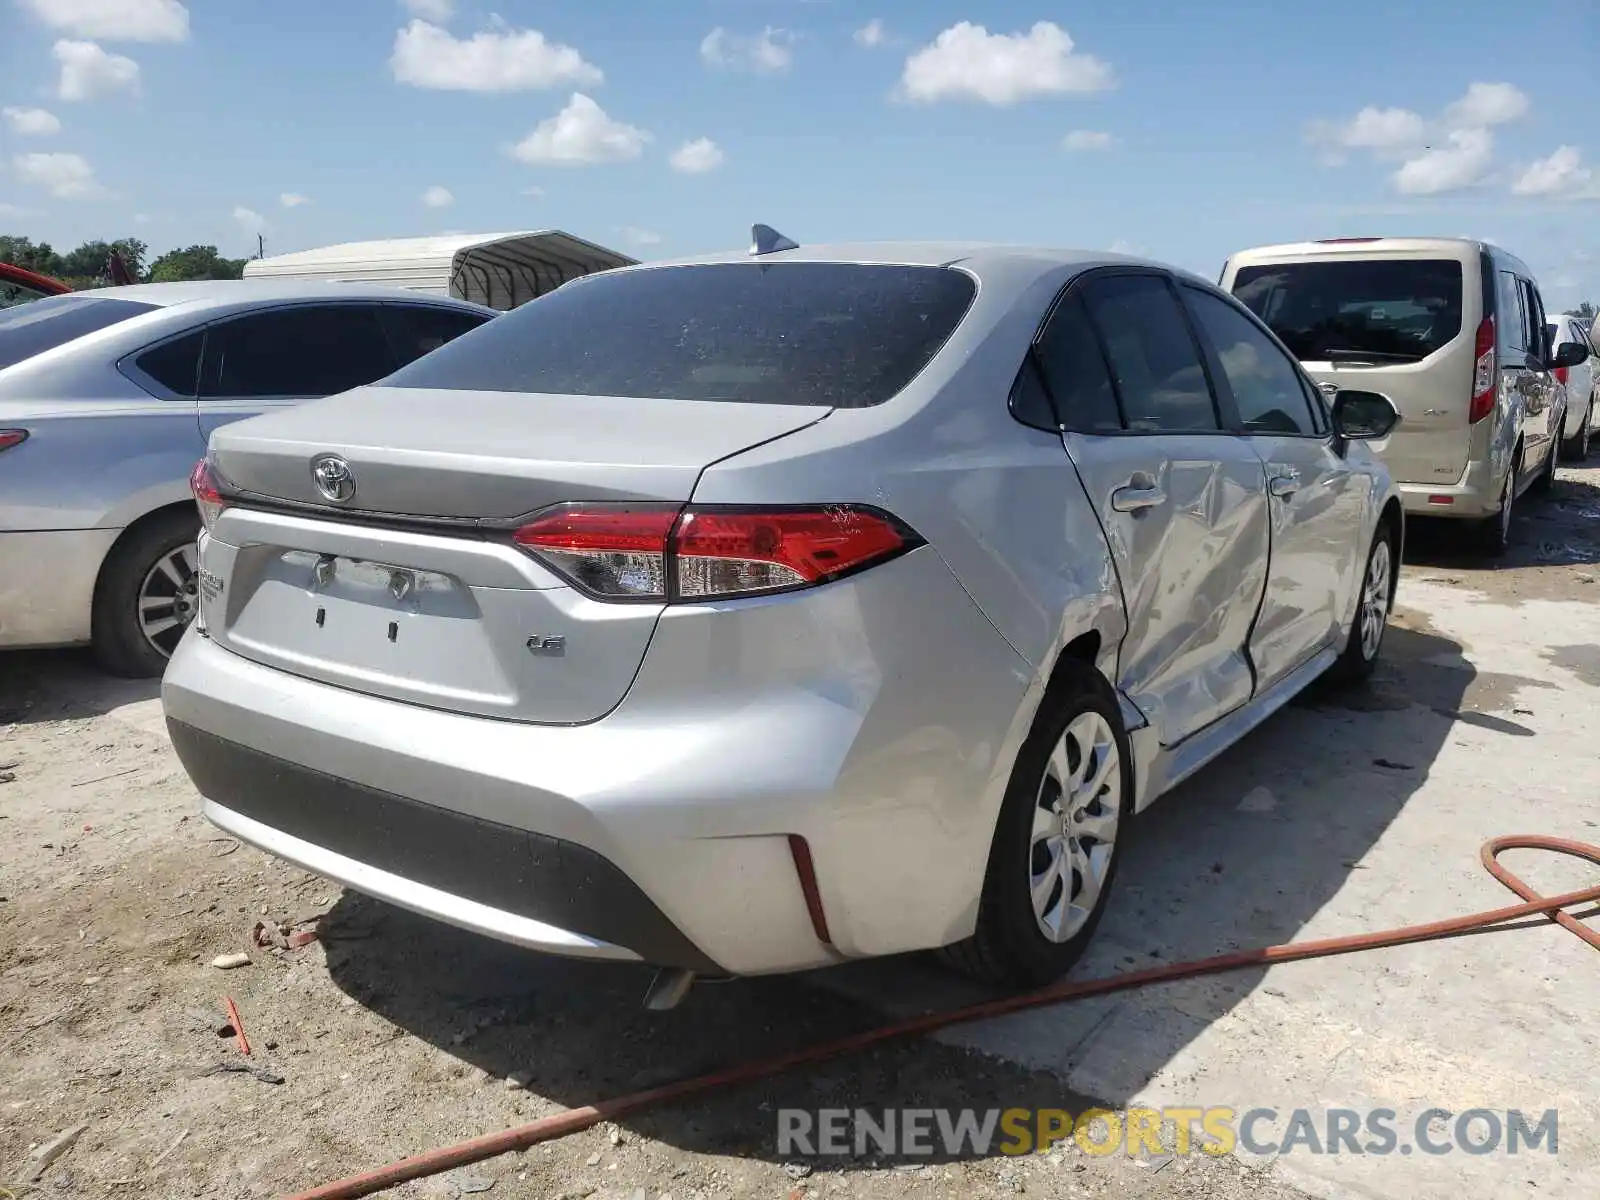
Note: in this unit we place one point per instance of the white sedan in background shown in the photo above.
(1581, 382)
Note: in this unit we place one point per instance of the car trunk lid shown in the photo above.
(413, 588)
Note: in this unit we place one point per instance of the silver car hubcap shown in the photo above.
(168, 598)
(1075, 826)
(1375, 600)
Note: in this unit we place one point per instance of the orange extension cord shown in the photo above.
(574, 1120)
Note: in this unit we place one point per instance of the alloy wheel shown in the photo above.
(169, 598)
(1076, 814)
(1375, 599)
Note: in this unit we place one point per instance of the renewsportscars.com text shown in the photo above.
(1216, 1131)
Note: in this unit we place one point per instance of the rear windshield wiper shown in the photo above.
(1371, 356)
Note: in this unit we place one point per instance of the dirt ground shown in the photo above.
(389, 1035)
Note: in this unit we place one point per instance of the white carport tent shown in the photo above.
(501, 270)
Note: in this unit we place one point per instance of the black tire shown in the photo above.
(1576, 448)
(1547, 477)
(1359, 658)
(1494, 533)
(119, 640)
(1009, 947)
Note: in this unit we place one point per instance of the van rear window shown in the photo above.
(1394, 310)
(843, 335)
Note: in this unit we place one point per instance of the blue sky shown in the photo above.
(668, 126)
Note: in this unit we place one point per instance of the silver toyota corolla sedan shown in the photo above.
(754, 613)
(106, 400)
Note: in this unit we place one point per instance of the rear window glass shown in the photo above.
(29, 329)
(1397, 310)
(836, 334)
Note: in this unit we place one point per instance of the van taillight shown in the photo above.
(656, 553)
(1561, 374)
(1485, 378)
(12, 437)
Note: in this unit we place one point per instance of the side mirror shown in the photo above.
(1569, 354)
(1363, 416)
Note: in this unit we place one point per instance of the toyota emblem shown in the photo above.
(333, 477)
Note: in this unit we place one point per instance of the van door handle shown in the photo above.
(1285, 483)
(1132, 499)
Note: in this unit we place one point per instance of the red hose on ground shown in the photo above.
(577, 1119)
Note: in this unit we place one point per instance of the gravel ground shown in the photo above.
(389, 1035)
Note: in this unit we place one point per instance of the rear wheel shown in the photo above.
(1576, 448)
(1360, 655)
(1494, 533)
(1547, 477)
(147, 595)
(1055, 849)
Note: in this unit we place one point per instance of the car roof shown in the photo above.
(1356, 246)
(984, 259)
(208, 292)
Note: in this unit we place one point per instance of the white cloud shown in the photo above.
(141, 218)
(1562, 175)
(1464, 161)
(639, 237)
(870, 34)
(65, 176)
(496, 60)
(31, 122)
(88, 71)
(13, 210)
(1122, 246)
(1087, 139)
(1486, 105)
(766, 53)
(967, 62)
(1385, 132)
(534, 191)
(249, 220)
(437, 11)
(437, 197)
(115, 20)
(697, 157)
(580, 133)
(293, 199)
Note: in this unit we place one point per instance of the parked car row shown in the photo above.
(621, 625)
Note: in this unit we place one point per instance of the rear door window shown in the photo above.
(175, 365)
(40, 325)
(1155, 364)
(1267, 387)
(418, 329)
(1534, 307)
(300, 352)
(1395, 310)
(1075, 372)
(844, 335)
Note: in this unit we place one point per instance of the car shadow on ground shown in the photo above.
(1554, 530)
(59, 685)
(1242, 855)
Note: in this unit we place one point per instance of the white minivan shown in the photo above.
(1454, 332)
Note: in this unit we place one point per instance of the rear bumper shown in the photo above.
(1474, 496)
(661, 832)
(523, 887)
(47, 585)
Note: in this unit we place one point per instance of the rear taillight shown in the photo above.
(208, 496)
(1485, 378)
(617, 552)
(12, 437)
(1561, 374)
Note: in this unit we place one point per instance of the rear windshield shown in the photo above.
(29, 329)
(1397, 310)
(836, 334)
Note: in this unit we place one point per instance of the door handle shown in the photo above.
(1285, 483)
(1132, 499)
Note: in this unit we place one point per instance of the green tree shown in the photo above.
(1586, 310)
(195, 262)
(88, 261)
(25, 252)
